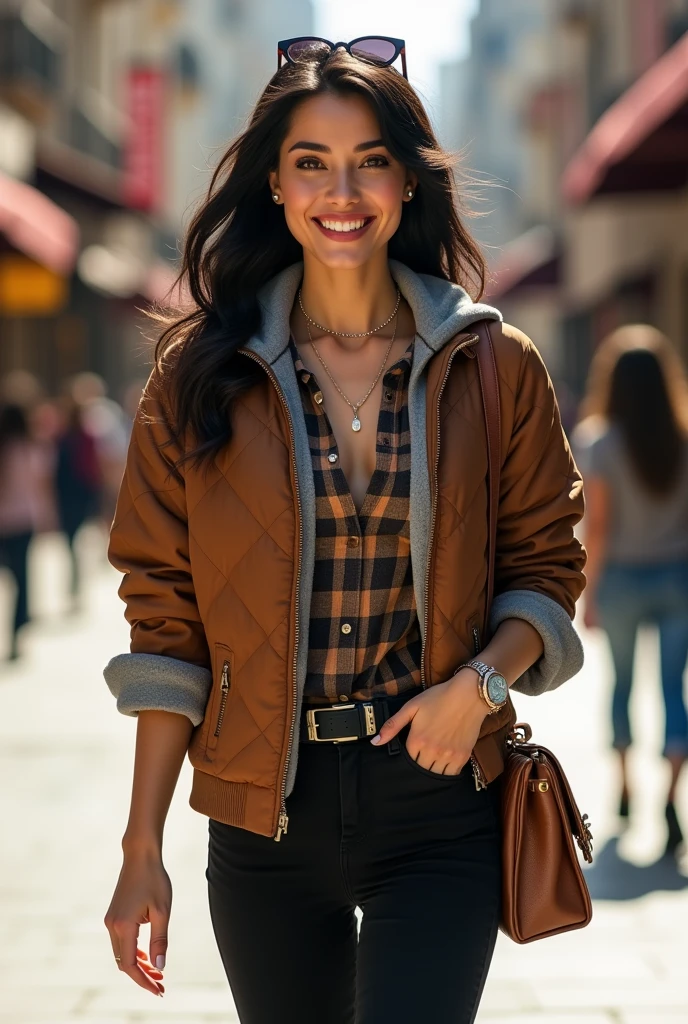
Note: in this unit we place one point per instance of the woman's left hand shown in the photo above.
(445, 723)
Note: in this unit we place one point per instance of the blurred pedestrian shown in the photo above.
(21, 484)
(78, 484)
(632, 446)
(107, 423)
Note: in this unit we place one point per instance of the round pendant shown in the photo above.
(356, 424)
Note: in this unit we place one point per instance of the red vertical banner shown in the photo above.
(144, 147)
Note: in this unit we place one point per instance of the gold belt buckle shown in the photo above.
(312, 725)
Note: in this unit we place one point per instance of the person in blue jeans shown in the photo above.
(632, 447)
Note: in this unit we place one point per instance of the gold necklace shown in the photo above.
(355, 423)
(345, 334)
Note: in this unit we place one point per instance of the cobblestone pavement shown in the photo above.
(65, 769)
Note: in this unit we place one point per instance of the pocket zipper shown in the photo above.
(224, 686)
(478, 777)
(476, 640)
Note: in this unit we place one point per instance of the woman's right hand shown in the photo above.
(143, 895)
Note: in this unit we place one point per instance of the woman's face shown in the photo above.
(341, 188)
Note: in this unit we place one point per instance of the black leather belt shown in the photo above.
(342, 723)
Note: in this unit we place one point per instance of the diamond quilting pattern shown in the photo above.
(243, 529)
(265, 504)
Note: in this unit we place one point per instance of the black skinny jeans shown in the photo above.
(418, 852)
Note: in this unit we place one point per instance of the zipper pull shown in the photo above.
(224, 682)
(478, 776)
(476, 640)
(282, 825)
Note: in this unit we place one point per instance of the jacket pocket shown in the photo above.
(222, 685)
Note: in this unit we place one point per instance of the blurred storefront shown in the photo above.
(111, 118)
(592, 231)
(68, 129)
(627, 193)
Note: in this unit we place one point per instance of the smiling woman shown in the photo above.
(308, 138)
(300, 581)
(345, 190)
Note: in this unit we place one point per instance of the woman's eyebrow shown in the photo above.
(317, 147)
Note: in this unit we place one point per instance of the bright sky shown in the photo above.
(435, 31)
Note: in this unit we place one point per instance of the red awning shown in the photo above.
(641, 142)
(37, 227)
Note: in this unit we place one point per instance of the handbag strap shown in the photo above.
(489, 386)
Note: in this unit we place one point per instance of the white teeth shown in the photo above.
(338, 225)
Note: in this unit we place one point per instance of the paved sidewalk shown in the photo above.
(65, 772)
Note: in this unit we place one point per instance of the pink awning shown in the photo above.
(38, 227)
(641, 142)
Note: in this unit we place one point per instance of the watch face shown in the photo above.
(497, 688)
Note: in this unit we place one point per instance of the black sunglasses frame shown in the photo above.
(399, 49)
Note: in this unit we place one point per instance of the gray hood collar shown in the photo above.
(440, 309)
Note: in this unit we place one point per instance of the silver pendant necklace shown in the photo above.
(356, 422)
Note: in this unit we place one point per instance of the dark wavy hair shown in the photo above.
(638, 383)
(238, 239)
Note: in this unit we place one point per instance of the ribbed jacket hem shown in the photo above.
(234, 803)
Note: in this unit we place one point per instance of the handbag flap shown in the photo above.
(580, 827)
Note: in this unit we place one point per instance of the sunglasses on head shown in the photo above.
(380, 50)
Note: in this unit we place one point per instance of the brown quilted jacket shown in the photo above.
(212, 559)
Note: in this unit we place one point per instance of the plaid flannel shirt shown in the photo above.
(364, 635)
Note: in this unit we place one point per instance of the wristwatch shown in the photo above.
(492, 686)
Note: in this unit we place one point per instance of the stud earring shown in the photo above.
(275, 196)
(409, 193)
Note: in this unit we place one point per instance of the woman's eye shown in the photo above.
(309, 163)
(377, 161)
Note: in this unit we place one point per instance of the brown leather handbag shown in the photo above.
(543, 888)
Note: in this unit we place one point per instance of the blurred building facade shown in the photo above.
(225, 52)
(111, 115)
(577, 110)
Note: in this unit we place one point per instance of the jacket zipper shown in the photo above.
(464, 344)
(224, 686)
(478, 775)
(283, 819)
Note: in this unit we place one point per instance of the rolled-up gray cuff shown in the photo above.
(154, 682)
(563, 654)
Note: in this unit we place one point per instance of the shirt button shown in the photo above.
(318, 397)
(389, 395)
(343, 697)
(332, 457)
(346, 627)
(385, 440)
(354, 541)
